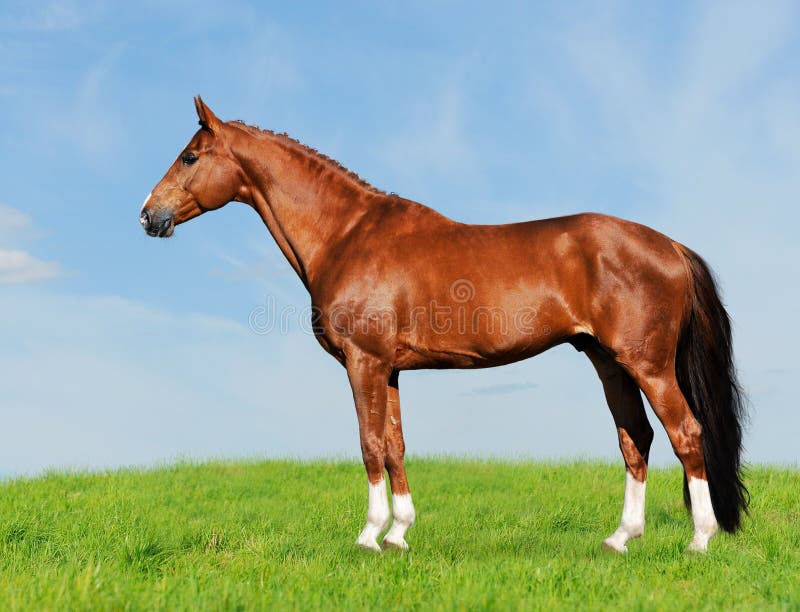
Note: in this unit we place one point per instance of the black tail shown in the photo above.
(707, 377)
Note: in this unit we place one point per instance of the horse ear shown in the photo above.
(208, 120)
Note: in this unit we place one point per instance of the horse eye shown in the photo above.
(188, 158)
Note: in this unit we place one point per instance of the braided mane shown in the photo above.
(296, 145)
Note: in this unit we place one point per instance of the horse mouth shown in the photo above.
(164, 231)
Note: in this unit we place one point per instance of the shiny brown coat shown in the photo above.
(397, 286)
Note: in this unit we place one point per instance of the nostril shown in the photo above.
(144, 219)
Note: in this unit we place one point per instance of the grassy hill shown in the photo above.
(281, 534)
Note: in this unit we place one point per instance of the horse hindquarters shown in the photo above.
(696, 397)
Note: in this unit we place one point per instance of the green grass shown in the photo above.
(281, 534)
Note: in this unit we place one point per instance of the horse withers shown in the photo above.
(396, 286)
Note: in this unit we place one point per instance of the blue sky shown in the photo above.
(120, 349)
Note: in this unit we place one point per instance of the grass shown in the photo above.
(280, 534)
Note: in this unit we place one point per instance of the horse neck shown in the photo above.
(307, 204)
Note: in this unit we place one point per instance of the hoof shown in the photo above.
(400, 545)
(368, 545)
(616, 542)
(697, 548)
(700, 541)
(614, 547)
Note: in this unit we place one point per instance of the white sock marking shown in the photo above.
(377, 516)
(632, 523)
(705, 523)
(404, 515)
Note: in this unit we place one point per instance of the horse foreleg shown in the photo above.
(635, 436)
(368, 379)
(402, 506)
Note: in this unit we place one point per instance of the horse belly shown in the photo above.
(479, 339)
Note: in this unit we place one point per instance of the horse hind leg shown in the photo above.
(635, 436)
(403, 514)
(686, 436)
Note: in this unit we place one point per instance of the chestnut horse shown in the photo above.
(396, 286)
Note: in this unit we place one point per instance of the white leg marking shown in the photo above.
(632, 523)
(403, 513)
(705, 523)
(377, 517)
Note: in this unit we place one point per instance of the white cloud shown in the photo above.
(21, 267)
(13, 221)
(16, 265)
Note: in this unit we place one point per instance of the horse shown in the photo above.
(395, 286)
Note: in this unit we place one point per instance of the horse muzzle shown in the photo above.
(157, 223)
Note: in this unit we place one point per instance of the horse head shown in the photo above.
(205, 176)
